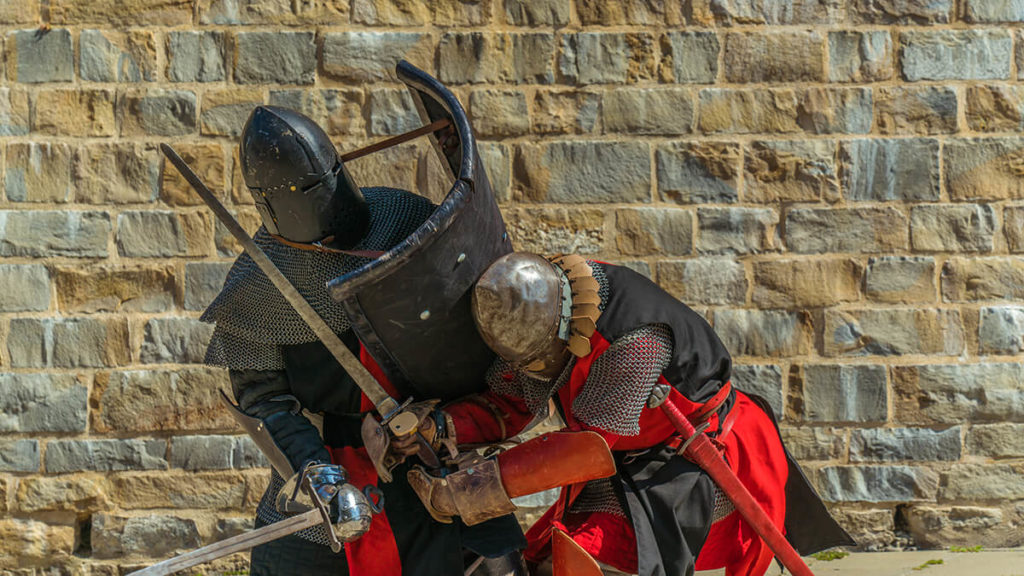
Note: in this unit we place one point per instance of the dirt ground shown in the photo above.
(917, 563)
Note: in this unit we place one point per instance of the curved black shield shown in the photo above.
(410, 307)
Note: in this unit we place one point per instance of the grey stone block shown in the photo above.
(893, 332)
(746, 12)
(836, 110)
(983, 168)
(584, 172)
(706, 281)
(644, 231)
(886, 170)
(1001, 330)
(905, 444)
(24, 288)
(877, 483)
(175, 341)
(202, 452)
(764, 380)
(957, 393)
(845, 393)
(162, 112)
(152, 234)
(1005, 440)
(365, 56)
(105, 455)
(101, 60)
(226, 119)
(814, 443)
(19, 456)
(860, 56)
(90, 342)
(150, 536)
(663, 111)
(14, 112)
(42, 403)
(497, 160)
(812, 230)
(246, 454)
(595, 57)
(900, 279)
(196, 56)
(43, 56)
(392, 112)
(203, 281)
(987, 11)
(30, 343)
(762, 332)
(275, 58)
(43, 233)
(963, 228)
(737, 230)
(902, 110)
(38, 172)
(694, 56)
(981, 482)
(698, 172)
(901, 11)
(956, 54)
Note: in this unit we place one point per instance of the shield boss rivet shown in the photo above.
(425, 314)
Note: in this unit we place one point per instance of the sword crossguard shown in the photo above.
(307, 485)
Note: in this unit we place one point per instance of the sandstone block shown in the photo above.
(43, 233)
(175, 341)
(647, 231)
(893, 332)
(957, 393)
(462, 13)
(905, 444)
(42, 403)
(955, 54)
(19, 11)
(105, 455)
(564, 112)
(606, 57)
(68, 342)
(764, 380)
(363, 56)
(706, 281)
(581, 171)
(109, 289)
(690, 57)
(148, 536)
(225, 112)
(497, 160)
(730, 111)
(773, 333)
(963, 228)
(646, 111)
(629, 12)
(984, 168)
(901, 11)
(226, 243)
(1013, 228)
(177, 489)
(275, 12)
(121, 173)
(877, 483)
(336, 111)
(865, 230)
(698, 172)
(107, 56)
(791, 171)
(844, 393)
(207, 161)
(478, 57)
(499, 113)
(974, 279)
(815, 443)
(34, 542)
(19, 456)
(61, 494)
(35, 57)
(773, 56)
(82, 112)
(1005, 440)
(737, 230)
(552, 230)
(961, 526)
(995, 108)
(860, 56)
(537, 13)
(835, 110)
(38, 172)
(151, 400)
(979, 482)
(916, 110)
(806, 283)
(895, 279)
(904, 169)
(391, 12)
(1001, 330)
(202, 452)
(203, 281)
(275, 58)
(118, 13)
(745, 12)
(873, 530)
(159, 112)
(196, 56)
(392, 112)
(24, 288)
(163, 233)
(14, 112)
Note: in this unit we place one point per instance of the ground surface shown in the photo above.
(918, 563)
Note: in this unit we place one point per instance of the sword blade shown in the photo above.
(384, 403)
(234, 544)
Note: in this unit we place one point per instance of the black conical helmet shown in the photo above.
(302, 189)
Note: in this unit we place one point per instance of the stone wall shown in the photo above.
(835, 184)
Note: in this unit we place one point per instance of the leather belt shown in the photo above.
(699, 418)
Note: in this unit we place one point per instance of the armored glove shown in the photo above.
(434, 430)
(349, 509)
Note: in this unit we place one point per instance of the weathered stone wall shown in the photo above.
(835, 184)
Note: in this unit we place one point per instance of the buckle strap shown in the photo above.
(711, 406)
(319, 246)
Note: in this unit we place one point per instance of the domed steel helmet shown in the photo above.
(302, 190)
(532, 311)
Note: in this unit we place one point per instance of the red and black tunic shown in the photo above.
(663, 524)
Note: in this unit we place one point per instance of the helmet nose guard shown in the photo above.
(302, 190)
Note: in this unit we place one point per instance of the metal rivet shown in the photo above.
(425, 314)
(504, 236)
(444, 482)
(461, 258)
(470, 471)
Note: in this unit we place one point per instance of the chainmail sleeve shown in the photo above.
(621, 380)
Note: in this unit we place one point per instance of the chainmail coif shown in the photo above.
(253, 320)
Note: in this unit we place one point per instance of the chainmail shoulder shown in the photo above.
(252, 316)
(502, 378)
(621, 380)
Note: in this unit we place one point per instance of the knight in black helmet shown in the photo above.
(317, 225)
